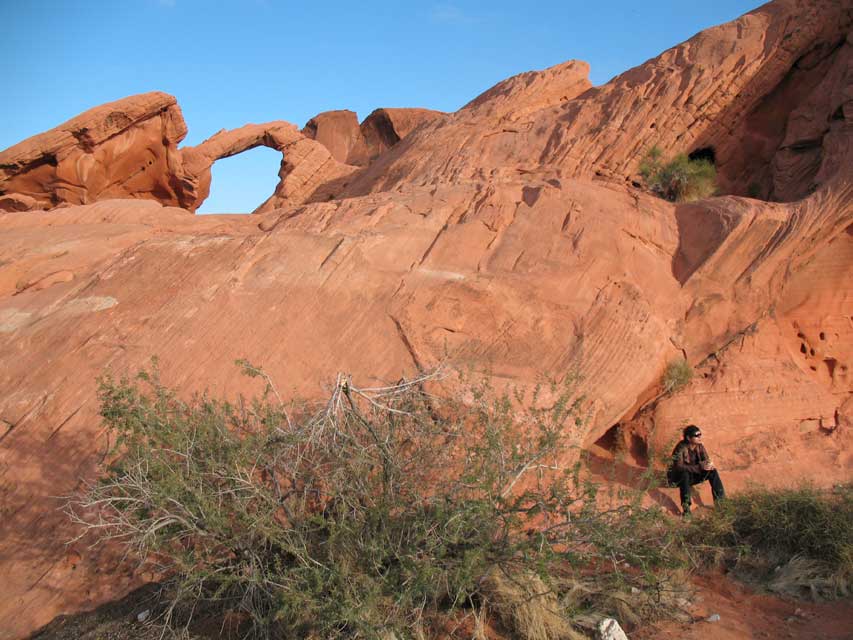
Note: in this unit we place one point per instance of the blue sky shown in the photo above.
(230, 63)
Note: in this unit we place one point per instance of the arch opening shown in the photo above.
(242, 182)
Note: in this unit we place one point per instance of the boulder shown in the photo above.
(123, 149)
(338, 131)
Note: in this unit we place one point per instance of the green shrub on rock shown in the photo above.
(678, 374)
(680, 179)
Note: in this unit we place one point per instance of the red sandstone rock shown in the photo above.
(356, 144)
(483, 237)
(534, 277)
(521, 95)
(338, 131)
(730, 88)
(17, 202)
(126, 148)
(384, 128)
(768, 95)
(307, 166)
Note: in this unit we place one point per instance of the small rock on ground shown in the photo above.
(609, 629)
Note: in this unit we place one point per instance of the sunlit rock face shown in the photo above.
(358, 144)
(129, 149)
(123, 149)
(509, 238)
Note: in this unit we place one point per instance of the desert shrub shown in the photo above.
(366, 516)
(680, 179)
(678, 374)
(799, 541)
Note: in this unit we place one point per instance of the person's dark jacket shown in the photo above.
(686, 459)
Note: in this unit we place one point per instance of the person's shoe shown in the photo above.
(685, 511)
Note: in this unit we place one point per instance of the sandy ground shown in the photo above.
(744, 613)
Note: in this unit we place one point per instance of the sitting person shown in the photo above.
(691, 465)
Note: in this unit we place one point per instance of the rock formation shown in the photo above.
(519, 96)
(338, 131)
(123, 149)
(306, 165)
(355, 144)
(507, 237)
(128, 149)
(729, 90)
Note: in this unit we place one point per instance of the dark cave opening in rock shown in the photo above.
(617, 441)
(610, 440)
(705, 153)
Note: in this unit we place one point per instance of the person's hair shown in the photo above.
(691, 430)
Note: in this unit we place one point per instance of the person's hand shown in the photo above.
(707, 465)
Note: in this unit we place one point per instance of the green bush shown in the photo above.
(679, 179)
(799, 540)
(678, 374)
(371, 514)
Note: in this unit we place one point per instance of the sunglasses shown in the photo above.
(697, 435)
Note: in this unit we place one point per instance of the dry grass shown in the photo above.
(630, 604)
(527, 606)
(803, 577)
(797, 541)
(532, 610)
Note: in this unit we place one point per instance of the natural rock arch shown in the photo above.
(129, 149)
(308, 170)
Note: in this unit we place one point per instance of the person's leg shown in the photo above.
(675, 479)
(717, 489)
(684, 491)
